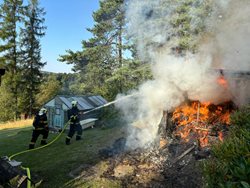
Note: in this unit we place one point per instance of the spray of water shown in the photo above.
(176, 77)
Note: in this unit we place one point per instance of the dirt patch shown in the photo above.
(174, 165)
(170, 162)
(123, 170)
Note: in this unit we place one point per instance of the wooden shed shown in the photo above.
(58, 109)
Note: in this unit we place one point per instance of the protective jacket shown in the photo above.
(40, 121)
(73, 115)
(41, 127)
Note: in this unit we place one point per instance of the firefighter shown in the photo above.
(73, 116)
(40, 124)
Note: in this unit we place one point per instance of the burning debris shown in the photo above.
(184, 138)
(202, 121)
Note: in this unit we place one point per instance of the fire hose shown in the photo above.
(30, 150)
(56, 138)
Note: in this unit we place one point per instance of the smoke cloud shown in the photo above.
(176, 78)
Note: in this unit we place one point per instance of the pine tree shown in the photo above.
(110, 27)
(188, 22)
(31, 52)
(103, 53)
(11, 12)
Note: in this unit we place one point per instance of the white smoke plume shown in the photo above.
(177, 78)
(228, 46)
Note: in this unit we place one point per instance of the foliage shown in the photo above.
(6, 108)
(101, 61)
(241, 119)
(230, 164)
(20, 28)
(128, 77)
(48, 89)
(103, 67)
(11, 12)
(70, 83)
(188, 22)
(31, 54)
(78, 60)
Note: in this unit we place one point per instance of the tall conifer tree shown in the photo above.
(103, 53)
(11, 12)
(31, 52)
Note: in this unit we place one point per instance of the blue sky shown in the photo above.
(66, 22)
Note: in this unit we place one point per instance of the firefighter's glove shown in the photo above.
(35, 127)
(73, 118)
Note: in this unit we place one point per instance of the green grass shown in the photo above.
(53, 163)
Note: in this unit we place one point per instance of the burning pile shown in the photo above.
(202, 121)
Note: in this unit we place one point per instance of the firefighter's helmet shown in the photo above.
(42, 111)
(74, 103)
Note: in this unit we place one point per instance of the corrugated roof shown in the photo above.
(102, 99)
(97, 100)
(66, 101)
(82, 103)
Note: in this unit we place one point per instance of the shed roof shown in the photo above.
(84, 102)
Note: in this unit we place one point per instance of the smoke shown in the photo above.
(228, 45)
(178, 77)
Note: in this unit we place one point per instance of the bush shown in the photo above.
(229, 166)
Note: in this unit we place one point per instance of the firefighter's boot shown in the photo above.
(67, 141)
(31, 146)
(78, 137)
(43, 142)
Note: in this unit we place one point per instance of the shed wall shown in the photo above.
(58, 111)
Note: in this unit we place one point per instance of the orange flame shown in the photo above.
(222, 81)
(198, 119)
(203, 139)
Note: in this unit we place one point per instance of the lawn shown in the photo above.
(55, 162)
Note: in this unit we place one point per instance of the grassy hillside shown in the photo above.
(54, 163)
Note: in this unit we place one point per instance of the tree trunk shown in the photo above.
(120, 46)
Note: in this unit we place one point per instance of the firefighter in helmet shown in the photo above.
(73, 116)
(40, 124)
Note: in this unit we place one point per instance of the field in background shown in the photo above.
(16, 124)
